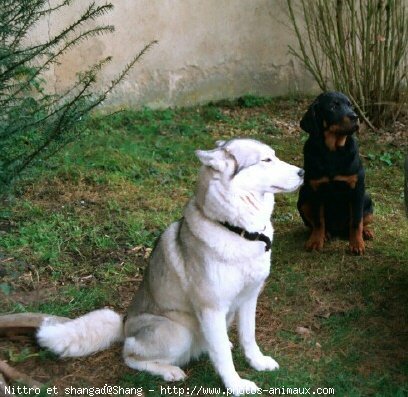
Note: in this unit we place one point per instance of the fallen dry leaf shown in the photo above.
(303, 331)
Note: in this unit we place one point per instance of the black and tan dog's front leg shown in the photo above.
(356, 239)
(313, 212)
(317, 237)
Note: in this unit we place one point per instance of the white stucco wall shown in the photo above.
(207, 50)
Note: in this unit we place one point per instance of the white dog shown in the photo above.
(206, 268)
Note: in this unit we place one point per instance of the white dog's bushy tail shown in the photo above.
(85, 335)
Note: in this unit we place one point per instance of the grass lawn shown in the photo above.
(76, 236)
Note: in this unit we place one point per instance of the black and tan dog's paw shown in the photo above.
(315, 242)
(368, 234)
(357, 246)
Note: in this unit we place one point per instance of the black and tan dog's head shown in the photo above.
(332, 116)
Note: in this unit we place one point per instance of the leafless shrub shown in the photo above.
(359, 47)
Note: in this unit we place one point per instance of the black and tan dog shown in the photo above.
(333, 200)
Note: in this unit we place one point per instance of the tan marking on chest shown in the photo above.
(332, 139)
(316, 183)
(351, 180)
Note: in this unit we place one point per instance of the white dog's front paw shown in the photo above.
(264, 363)
(241, 386)
(174, 374)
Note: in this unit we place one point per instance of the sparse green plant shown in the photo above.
(22, 355)
(5, 288)
(251, 101)
(386, 157)
(35, 123)
(212, 113)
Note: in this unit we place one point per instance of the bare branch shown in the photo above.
(3, 385)
(25, 323)
(17, 376)
(365, 47)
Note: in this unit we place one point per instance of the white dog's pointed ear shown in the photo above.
(220, 143)
(243, 157)
(212, 158)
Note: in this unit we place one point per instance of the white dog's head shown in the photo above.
(249, 165)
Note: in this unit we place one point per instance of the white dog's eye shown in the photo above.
(267, 160)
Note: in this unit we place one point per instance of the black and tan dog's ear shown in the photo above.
(311, 121)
